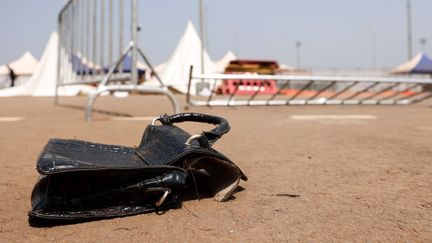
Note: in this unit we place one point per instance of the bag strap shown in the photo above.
(206, 138)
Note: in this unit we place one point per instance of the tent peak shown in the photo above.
(28, 57)
(420, 63)
(190, 29)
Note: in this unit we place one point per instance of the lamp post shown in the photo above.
(298, 45)
(236, 42)
(409, 30)
(373, 48)
(423, 42)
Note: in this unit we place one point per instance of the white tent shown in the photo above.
(43, 80)
(175, 72)
(25, 65)
(224, 61)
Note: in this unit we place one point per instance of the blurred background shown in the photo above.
(332, 34)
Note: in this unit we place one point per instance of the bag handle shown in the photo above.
(205, 138)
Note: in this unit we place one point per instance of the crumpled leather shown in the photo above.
(82, 180)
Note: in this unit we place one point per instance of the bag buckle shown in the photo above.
(155, 119)
(191, 138)
(165, 191)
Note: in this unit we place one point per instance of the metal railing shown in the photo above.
(92, 49)
(268, 90)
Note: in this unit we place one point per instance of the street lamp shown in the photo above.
(236, 42)
(423, 42)
(298, 45)
(373, 48)
(409, 31)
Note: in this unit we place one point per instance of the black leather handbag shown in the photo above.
(83, 181)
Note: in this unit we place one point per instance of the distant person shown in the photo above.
(12, 75)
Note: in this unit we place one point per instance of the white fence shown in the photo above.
(93, 50)
(261, 90)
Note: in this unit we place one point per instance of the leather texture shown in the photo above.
(81, 180)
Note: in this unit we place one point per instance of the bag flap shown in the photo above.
(60, 155)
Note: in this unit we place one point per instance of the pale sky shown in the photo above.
(333, 33)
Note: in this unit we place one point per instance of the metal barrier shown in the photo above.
(266, 90)
(92, 49)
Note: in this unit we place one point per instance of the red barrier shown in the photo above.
(247, 87)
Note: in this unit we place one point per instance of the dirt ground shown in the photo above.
(355, 179)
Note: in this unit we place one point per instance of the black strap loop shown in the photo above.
(207, 138)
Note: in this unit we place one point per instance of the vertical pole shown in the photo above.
(121, 37)
(87, 49)
(75, 36)
(67, 25)
(72, 37)
(102, 34)
(94, 36)
(373, 49)
(298, 45)
(110, 33)
(409, 30)
(82, 35)
(201, 14)
(423, 42)
(236, 42)
(71, 40)
(59, 56)
(134, 38)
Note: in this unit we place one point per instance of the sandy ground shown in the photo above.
(356, 179)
